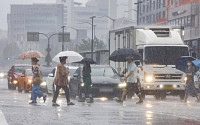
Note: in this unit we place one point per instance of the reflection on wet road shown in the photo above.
(171, 111)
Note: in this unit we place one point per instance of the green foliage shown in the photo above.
(86, 45)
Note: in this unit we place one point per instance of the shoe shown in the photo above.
(81, 100)
(71, 103)
(33, 102)
(45, 98)
(119, 101)
(55, 105)
(139, 102)
(91, 100)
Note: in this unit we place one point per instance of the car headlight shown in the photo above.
(15, 82)
(149, 79)
(122, 85)
(43, 84)
(185, 79)
(1, 74)
(61, 90)
(82, 84)
(29, 81)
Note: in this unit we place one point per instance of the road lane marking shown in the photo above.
(2, 119)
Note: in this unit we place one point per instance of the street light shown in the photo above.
(48, 56)
(63, 27)
(76, 32)
(113, 20)
(138, 3)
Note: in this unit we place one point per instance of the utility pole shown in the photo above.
(92, 35)
(63, 29)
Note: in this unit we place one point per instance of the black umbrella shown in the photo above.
(120, 55)
(87, 60)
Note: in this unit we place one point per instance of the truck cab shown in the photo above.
(159, 47)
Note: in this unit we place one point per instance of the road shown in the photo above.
(15, 110)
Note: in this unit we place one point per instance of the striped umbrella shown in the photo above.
(30, 54)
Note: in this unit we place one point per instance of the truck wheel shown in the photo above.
(163, 95)
(182, 95)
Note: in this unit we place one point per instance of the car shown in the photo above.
(51, 76)
(14, 73)
(25, 81)
(106, 82)
(3, 74)
(45, 73)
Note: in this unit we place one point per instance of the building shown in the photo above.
(152, 12)
(187, 13)
(43, 18)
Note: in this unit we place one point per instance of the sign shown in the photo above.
(178, 12)
(66, 37)
(32, 36)
(194, 43)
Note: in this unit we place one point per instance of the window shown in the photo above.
(182, 22)
(150, 5)
(154, 5)
(157, 4)
(163, 14)
(189, 21)
(143, 8)
(143, 19)
(159, 14)
(147, 8)
(179, 21)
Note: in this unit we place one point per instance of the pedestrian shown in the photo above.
(190, 87)
(61, 81)
(87, 89)
(37, 80)
(131, 80)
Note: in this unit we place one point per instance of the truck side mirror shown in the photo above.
(51, 75)
(75, 75)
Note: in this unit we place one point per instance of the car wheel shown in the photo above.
(182, 95)
(157, 96)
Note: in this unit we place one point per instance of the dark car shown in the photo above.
(14, 73)
(105, 82)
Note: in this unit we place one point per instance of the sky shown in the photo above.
(5, 8)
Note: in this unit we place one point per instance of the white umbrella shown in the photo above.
(72, 56)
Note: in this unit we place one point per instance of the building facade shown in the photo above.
(43, 18)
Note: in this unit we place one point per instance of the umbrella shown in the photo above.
(87, 60)
(181, 63)
(30, 54)
(120, 55)
(72, 56)
(196, 63)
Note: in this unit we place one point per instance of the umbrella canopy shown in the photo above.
(196, 63)
(31, 54)
(120, 55)
(87, 60)
(181, 63)
(72, 56)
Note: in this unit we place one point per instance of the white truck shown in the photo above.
(160, 47)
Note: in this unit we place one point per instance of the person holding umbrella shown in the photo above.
(87, 80)
(190, 87)
(61, 81)
(37, 80)
(131, 81)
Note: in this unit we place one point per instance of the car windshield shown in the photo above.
(29, 73)
(101, 71)
(164, 55)
(20, 69)
(45, 72)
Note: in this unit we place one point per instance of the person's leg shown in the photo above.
(56, 94)
(33, 96)
(89, 91)
(38, 93)
(186, 96)
(137, 91)
(66, 89)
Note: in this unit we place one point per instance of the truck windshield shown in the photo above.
(164, 55)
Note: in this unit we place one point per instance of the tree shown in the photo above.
(86, 45)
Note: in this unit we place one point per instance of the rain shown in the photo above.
(99, 62)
